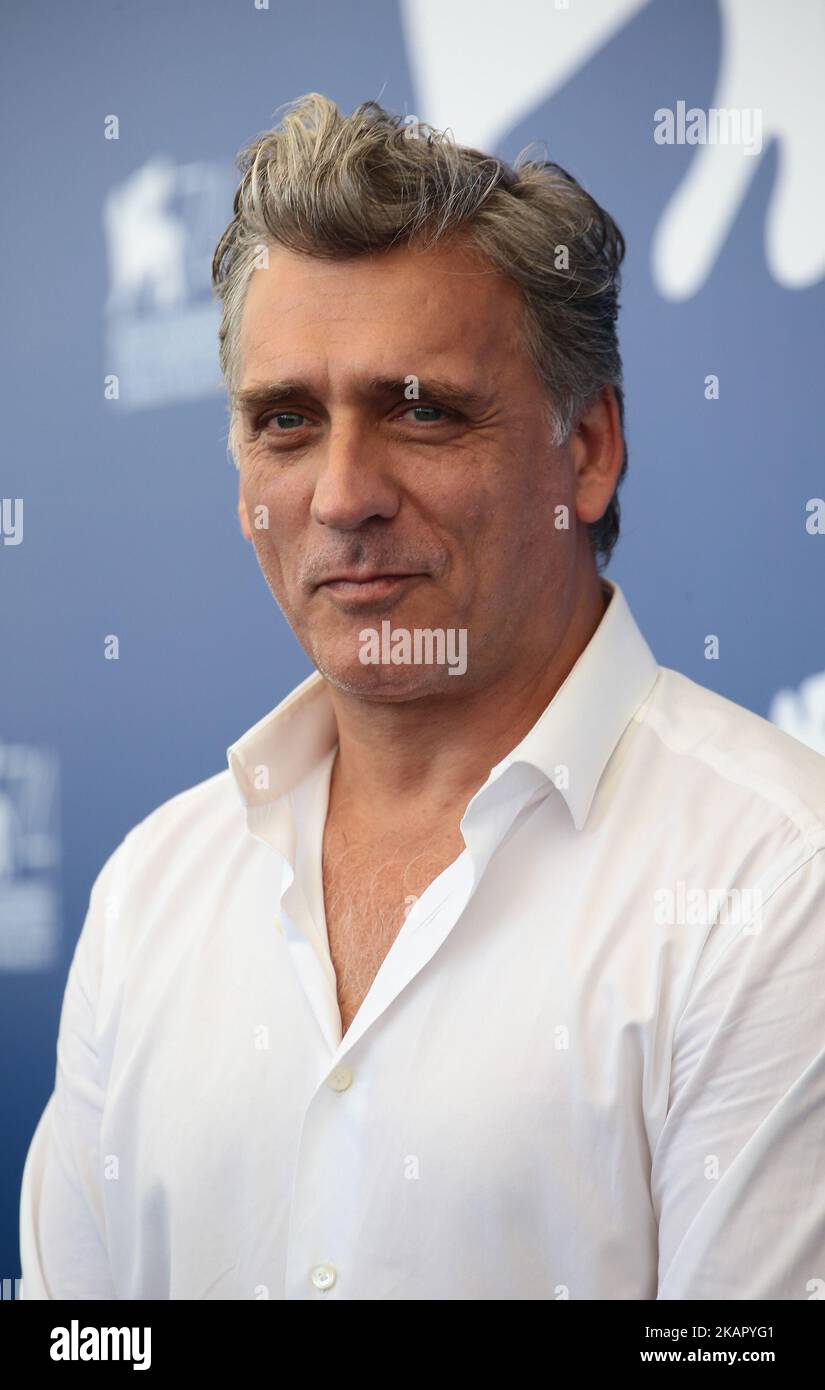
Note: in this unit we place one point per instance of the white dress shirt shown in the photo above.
(592, 1064)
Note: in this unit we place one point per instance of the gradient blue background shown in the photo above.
(130, 522)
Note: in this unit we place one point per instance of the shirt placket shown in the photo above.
(325, 1215)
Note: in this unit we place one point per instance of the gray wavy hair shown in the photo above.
(331, 186)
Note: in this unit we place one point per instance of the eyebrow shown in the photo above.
(449, 393)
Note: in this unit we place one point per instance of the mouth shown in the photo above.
(368, 588)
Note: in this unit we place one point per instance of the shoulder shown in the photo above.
(162, 866)
(198, 815)
(735, 757)
(158, 872)
(212, 801)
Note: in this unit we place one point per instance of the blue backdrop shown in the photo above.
(121, 124)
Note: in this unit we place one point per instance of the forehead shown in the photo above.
(441, 304)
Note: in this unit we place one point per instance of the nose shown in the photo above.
(354, 482)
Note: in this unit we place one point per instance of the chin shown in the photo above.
(386, 684)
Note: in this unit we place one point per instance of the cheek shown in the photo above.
(277, 512)
(519, 535)
(547, 503)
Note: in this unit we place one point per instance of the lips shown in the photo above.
(365, 576)
(370, 587)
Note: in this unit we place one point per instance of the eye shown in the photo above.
(288, 415)
(430, 410)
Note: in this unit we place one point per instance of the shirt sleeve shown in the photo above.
(62, 1224)
(738, 1172)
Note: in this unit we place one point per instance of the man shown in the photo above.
(492, 967)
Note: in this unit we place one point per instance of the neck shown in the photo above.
(430, 755)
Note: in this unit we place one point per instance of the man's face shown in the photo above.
(455, 488)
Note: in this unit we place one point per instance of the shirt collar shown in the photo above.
(591, 709)
(577, 732)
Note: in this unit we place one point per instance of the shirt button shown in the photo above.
(323, 1276)
(339, 1079)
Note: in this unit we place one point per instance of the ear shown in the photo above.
(597, 449)
(243, 515)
